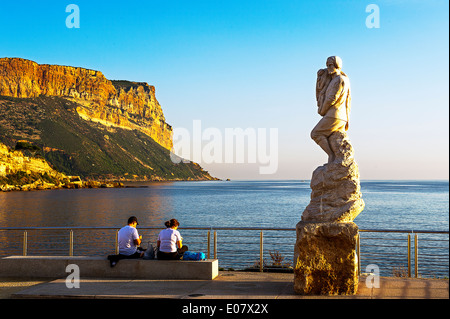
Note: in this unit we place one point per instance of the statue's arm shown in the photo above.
(332, 95)
(320, 83)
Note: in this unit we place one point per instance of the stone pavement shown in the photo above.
(228, 285)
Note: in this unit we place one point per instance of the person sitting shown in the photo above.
(128, 242)
(169, 244)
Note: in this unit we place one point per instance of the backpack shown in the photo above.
(189, 255)
(150, 253)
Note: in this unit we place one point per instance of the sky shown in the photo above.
(252, 65)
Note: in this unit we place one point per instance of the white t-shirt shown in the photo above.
(168, 238)
(126, 237)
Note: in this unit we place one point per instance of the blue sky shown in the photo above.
(253, 64)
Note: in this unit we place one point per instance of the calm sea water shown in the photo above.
(406, 205)
(389, 204)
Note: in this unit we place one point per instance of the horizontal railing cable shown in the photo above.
(257, 248)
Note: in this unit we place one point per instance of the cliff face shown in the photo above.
(30, 172)
(84, 125)
(14, 161)
(124, 104)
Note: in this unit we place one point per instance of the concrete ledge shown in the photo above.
(98, 267)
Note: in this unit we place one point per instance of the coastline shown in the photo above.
(77, 183)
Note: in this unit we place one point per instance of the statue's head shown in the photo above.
(334, 64)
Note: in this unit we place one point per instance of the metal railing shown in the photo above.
(397, 252)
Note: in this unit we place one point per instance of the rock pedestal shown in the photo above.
(325, 251)
(326, 262)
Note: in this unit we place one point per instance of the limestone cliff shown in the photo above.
(14, 161)
(124, 104)
(90, 138)
(32, 171)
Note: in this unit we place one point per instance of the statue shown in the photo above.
(333, 102)
(324, 253)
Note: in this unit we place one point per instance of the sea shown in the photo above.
(234, 210)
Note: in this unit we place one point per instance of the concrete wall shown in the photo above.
(99, 267)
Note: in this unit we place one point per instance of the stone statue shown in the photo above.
(333, 102)
(324, 255)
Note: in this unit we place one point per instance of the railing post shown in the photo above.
(261, 251)
(358, 253)
(409, 255)
(117, 242)
(416, 256)
(209, 243)
(71, 243)
(25, 243)
(215, 245)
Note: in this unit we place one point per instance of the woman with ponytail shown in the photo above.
(169, 242)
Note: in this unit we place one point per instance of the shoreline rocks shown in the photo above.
(42, 185)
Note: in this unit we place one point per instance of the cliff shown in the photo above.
(86, 125)
(124, 104)
(14, 161)
(18, 171)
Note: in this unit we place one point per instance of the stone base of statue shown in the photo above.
(326, 261)
(325, 258)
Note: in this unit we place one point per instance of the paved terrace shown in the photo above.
(228, 285)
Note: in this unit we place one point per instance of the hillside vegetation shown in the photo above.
(73, 146)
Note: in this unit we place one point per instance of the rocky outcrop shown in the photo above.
(36, 172)
(336, 192)
(324, 255)
(129, 105)
(24, 78)
(14, 161)
(25, 173)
